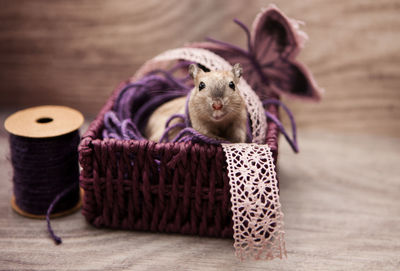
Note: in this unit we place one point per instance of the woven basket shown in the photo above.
(186, 192)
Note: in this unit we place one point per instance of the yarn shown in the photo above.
(46, 174)
(138, 100)
(44, 155)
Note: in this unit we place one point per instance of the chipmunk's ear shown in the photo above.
(194, 70)
(237, 71)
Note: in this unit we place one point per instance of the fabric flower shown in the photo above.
(269, 64)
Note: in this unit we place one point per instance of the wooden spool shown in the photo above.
(44, 122)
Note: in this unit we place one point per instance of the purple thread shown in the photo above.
(130, 131)
(190, 134)
(292, 142)
(174, 116)
(138, 100)
(247, 31)
(46, 174)
(236, 48)
(164, 137)
(56, 238)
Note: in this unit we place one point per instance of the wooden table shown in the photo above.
(340, 196)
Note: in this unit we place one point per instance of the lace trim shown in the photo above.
(214, 62)
(257, 216)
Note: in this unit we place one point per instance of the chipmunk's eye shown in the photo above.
(201, 85)
(232, 85)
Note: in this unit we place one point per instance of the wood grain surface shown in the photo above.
(75, 52)
(340, 197)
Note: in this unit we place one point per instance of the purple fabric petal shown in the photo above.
(273, 37)
(291, 78)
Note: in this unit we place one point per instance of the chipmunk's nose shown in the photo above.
(217, 105)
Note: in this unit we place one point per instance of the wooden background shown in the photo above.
(340, 195)
(75, 52)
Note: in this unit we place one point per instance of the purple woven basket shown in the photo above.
(186, 192)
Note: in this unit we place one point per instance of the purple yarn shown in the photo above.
(174, 116)
(164, 136)
(130, 131)
(138, 100)
(46, 174)
(190, 134)
(292, 142)
(65, 192)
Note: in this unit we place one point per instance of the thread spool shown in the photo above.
(44, 153)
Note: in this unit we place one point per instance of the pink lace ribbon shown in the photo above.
(257, 216)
